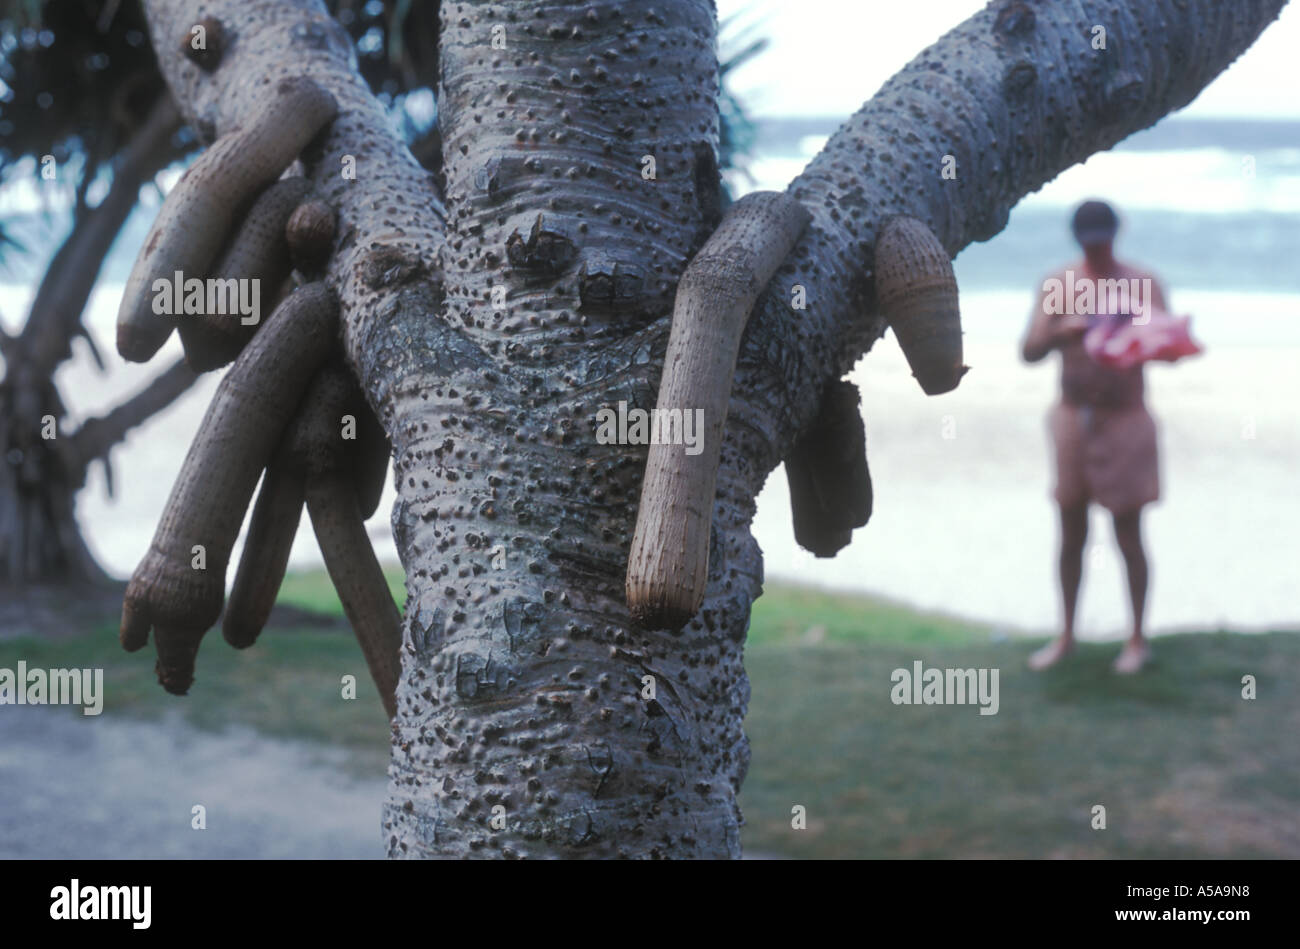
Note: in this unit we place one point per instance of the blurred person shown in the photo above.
(1104, 437)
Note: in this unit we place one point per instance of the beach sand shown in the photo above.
(962, 524)
(965, 524)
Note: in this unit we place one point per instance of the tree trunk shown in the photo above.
(40, 475)
(534, 718)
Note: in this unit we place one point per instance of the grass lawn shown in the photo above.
(1184, 766)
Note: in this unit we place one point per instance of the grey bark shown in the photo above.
(522, 670)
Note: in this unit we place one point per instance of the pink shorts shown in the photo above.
(1105, 455)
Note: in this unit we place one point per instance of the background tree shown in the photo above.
(491, 311)
(85, 103)
(57, 106)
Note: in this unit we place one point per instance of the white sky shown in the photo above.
(828, 56)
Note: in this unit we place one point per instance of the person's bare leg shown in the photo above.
(1128, 534)
(1074, 535)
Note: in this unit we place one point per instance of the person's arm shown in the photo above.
(1047, 330)
(1037, 340)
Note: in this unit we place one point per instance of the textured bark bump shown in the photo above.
(916, 291)
(207, 56)
(830, 485)
(669, 561)
(257, 252)
(197, 215)
(235, 440)
(310, 232)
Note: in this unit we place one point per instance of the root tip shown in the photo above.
(133, 633)
(176, 681)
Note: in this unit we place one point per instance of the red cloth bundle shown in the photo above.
(1123, 344)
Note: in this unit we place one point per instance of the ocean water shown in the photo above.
(962, 524)
(966, 525)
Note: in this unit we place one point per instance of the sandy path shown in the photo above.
(101, 787)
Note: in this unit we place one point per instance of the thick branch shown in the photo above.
(56, 312)
(1015, 95)
(98, 435)
(387, 203)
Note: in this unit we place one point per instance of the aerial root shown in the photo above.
(830, 485)
(198, 215)
(179, 585)
(669, 561)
